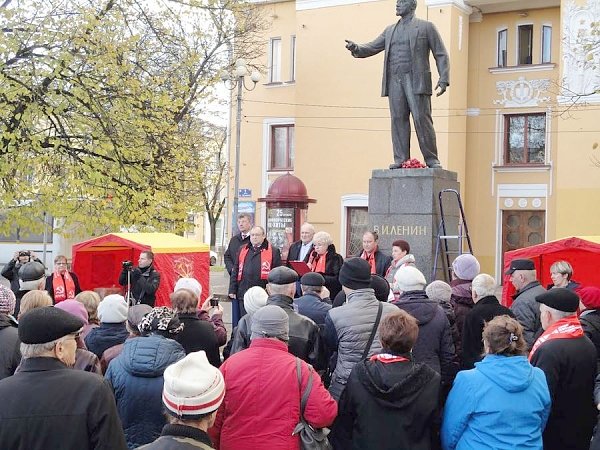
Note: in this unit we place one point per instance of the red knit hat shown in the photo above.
(590, 297)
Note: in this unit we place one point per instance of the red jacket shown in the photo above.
(262, 400)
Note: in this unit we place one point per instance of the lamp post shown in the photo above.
(238, 81)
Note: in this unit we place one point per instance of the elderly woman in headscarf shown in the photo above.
(136, 375)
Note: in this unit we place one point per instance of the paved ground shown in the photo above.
(219, 284)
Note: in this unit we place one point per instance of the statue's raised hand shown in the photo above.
(351, 46)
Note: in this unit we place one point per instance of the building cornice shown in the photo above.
(460, 4)
(302, 5)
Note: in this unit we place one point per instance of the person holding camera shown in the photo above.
(144, 279)
(11, 270)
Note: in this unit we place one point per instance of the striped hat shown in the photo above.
(192, 387)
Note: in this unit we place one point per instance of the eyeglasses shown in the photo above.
(60, 264)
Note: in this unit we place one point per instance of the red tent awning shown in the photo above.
(583, 253)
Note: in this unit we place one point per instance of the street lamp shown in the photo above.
(240, 71)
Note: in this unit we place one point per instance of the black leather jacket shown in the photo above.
(144, 284)
(305, 341)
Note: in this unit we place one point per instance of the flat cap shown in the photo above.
(520, 264)
(282, 275)
(46, 324)
(312, 279)
(561, 299)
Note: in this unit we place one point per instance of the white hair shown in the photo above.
(555, 313)
(36, 350)
(323, 237)
(484, 285)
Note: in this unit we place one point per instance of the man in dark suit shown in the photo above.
(244, 223)
(407, 79)
(300, 250)
(252, 265)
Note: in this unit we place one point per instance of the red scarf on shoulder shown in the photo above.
(266, 260)
(62, 291)
(370, 257)
(567, 328)
(317, 262)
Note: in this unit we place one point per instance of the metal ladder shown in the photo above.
(444, 237)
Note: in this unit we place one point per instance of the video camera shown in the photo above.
(25, 253)
(127, 265)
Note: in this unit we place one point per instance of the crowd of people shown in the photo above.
(363, 351)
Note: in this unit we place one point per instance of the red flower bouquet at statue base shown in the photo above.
(413, 163)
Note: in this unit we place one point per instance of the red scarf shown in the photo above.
(266, 260)
(387, 358)
(317, 262)
(567, 328)
(62, 290)
(370, 257)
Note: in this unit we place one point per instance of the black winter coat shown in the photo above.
(570, 368)
(144, 284)
(10, 353)
(333, 265)
(462, 302)
(472, 346)
(199, 335)
(387, 407)
(434, 345)
(11, 273)
(251, 272)
(231, 254)
(590, 321)
(47, 405)
(180, 437)
(105, 336)
(305, 339)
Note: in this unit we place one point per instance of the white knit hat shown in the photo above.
(191, 284)
(254, 299)
(112, 309)
(409, 278)
(192, 387)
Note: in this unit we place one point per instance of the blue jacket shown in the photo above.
(136, 376)
(503, 403)
(105, 336)
(311, 306)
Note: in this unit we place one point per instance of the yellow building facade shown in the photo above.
(519, 122)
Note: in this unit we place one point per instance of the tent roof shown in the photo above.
(157, 242)
(590, 243)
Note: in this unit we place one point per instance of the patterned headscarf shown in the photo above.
(162, 320)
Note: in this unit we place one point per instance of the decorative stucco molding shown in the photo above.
(581, 58)
(521, 92)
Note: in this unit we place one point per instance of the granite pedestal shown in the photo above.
(403, 204)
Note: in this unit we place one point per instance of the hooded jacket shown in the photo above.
(388, 406)
(10, 353)
(503, 403)
(136, 376)
(434, 345)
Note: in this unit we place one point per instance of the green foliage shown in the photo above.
(100, 105)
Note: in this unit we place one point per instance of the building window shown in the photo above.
(293, 58)
(525, 44)
(275, 60)
(282, 147)
(546, 43)
(525, 139)
(357, 223)
(502, 46)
